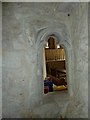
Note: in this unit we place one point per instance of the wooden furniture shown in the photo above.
(61, 73)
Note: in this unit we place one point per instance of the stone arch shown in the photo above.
(42, 36)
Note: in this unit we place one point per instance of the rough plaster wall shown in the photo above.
(79, 33)
(18, 67)
(45, 0)
(20, 53)
(89, 57)
(0, 60)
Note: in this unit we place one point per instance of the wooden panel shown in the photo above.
(54, 54)
(55, 64)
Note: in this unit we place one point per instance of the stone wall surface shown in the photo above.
(45, 0)
(79, 33)
(21, 22)
(0, 60)
(88, 57)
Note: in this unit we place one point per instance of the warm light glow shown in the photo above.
(47, 45)
(58, 46)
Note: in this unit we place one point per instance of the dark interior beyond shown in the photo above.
(55, 63)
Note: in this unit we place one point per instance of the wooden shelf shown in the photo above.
(54, 60)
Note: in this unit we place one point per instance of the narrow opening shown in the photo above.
(54, 68)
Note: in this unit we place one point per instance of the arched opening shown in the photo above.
(54, 66)
(59, 99)
(63, 40)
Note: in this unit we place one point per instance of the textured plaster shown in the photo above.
(0, 60)
(45, 0)
(79, 34)
(26, 26)
(89, 55)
